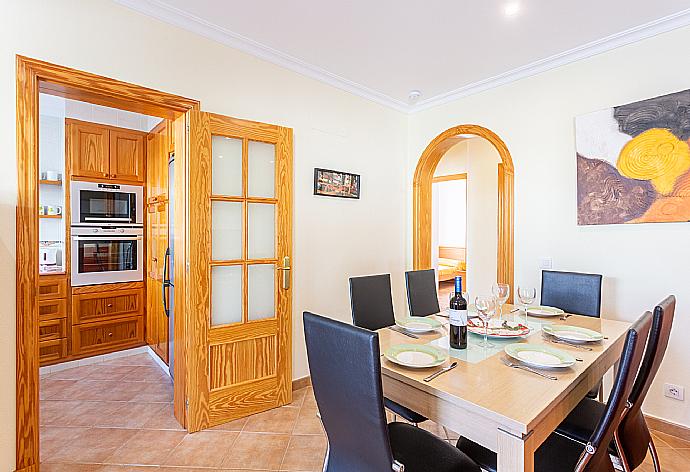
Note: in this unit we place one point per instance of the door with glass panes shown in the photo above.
(239, 303)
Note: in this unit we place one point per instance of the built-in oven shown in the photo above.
(103, 255)
(103, 204)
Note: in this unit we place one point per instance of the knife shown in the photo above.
(442, 371)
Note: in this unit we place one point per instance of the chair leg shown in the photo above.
(655, 457)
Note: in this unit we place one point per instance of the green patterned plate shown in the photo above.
(418, 324)
(539, 356)
(416, 355)
(572, 333)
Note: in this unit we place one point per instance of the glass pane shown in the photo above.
(107, 255)
(262, 164)
(226, 295)
(226, 231)
(261, 281)
(261, 231)
(227, 166)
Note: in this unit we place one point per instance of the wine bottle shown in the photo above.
(458, 317)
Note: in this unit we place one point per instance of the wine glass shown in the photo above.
(526, 296)
(486, 307)
(501, 292)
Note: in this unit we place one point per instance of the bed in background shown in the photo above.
(451, 262)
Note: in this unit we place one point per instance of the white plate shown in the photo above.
(540, 356)
(544, 311)
(418, 324)
(418, 356)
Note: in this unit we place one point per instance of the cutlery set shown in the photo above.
(441, 371)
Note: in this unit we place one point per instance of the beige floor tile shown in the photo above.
(93, 445)
(92, 413)
(57, 412)
(108, 372)
(257, 451)
(101, 390)
(308, 423)
(309, 400)
(670, 460)
(75, 373)
(131, 415)
(56, 438)
(673, 441)
(235, 425)
(152, 392)
(277, 420)
(145, 374)
(147, 447)
(164, 419)
(298, 396)
(203, 449)
(135, 360)
(70, 467)
(305, 453)
(55, 389)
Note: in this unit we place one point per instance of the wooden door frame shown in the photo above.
(34, 76)
(421, 209)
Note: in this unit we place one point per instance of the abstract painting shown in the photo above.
(633, 162)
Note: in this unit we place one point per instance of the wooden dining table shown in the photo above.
(507, 410)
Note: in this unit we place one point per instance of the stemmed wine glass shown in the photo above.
(486, 307)
(501, 292)
(526, 296)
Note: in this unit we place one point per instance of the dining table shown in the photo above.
(507, 410)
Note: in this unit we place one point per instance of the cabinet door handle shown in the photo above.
(110, 334)
(109, 305)
(105, 174)
(112, 176)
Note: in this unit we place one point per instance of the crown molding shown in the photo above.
(623, 38)
(168, 14)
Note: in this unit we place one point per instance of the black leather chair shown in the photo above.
(572, 292)
(576, 293)
(422, 296)
(559, 453)
(372, 309)
(345, 367)
(633, 437)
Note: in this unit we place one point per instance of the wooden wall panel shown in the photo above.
(252, 359)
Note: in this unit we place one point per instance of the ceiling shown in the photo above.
(383, 49)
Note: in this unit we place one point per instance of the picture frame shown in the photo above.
(334, 183)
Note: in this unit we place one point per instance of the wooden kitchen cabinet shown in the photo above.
(52, 318)
(107, 336)
(104, 152)
(89, 149)
(107, 304)
(126, 156)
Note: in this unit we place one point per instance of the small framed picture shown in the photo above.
(333, 183)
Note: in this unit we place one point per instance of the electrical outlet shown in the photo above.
(545, 263)
(674, 391)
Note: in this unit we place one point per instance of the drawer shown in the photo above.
(52, 309)
(52, 287)
(52, 329)
(52, 350)
(109, 304)
(107, 335)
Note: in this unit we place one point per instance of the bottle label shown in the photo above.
(458, 317)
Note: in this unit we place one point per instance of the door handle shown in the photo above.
(166, 283)
(286, 272)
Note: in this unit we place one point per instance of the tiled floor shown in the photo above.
(117, 416)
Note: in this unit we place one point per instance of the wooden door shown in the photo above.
(157, 238)
(89, 149)
(239, 298)
(127, 156)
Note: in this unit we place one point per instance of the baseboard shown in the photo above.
(301, 383)
(667, 427)
(159, 362)
(49, 369)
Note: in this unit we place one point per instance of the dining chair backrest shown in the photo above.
(422, 297)
(596, 458)
(633, 433)
(371, 301)
(572, 292)
(346, 376)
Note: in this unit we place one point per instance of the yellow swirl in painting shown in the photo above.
(655, 155)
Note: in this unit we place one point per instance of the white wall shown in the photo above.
(535, 117)
(479, 160)
(332, 129)
(451, 213)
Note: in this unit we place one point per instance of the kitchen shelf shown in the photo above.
(50, 182)
(50, 216)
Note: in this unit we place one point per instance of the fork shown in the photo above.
(566, 316)
(403, 332)
(527, 369)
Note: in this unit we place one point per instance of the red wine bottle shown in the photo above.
(458, 317)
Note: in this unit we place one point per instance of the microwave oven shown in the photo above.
(105, 204)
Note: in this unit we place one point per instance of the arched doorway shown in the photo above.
(422, 199)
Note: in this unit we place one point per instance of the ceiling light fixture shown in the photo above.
(511, 9)
(414, 95)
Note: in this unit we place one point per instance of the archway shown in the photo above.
(421, 210)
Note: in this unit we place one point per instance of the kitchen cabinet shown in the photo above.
(103, 152)
(52, 318)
